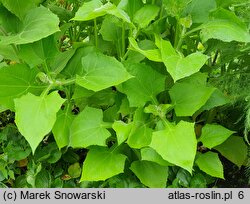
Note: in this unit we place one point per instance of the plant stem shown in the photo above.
(96, 33)
(123, 40)
(181, 38)
(65, 82)
(153, 1)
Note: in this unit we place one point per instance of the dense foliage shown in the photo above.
(124, 93)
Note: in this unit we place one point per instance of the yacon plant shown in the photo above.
(126, 80)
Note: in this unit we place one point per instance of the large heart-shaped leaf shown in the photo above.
(211, 164)
(101, 164)
(144, 87)
(36, 116)
(150, 174)
(19, 7)
(213, 135)
(37, 24)
(100, 72)
(180, 67)
(189, 97)
(176, 144)
(88, 129)
(15, 81)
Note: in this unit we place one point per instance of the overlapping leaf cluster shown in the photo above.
(136, 71)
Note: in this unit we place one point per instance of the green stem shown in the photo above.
(96, 33)
(153, 1)
(107, 125)
(46, 91)
(123, 40)
(192, 31)
(181, 38)
(65, 83)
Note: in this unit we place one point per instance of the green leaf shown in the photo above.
(175, 7)
(18, 7)
(145, 15)
(111, 29)
(213, 135)
(234, 149)
(224, 21)
(122, 131)
(159, 110)
(61, 129)
(189, 97)
(210, 163)
(43, 179)
(180, 141)
(93, 9)
(100, 72)
(144, 87)
(199, 10)
(39, 52)
(74, 170)
(15, 81)
(74, 66)
(153, 55)
(149, 154)
(88, 129)
(140, 135)
(101, 164)
(37, 24)
(198, 181)
(36, 115)
(133, 6)
(216, 99)
(180, 67)
(150, 174)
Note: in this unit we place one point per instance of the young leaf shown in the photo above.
(36, 115)
(189, 97)
(144, 87)
(15, 81)
(122, 131)
(210, 163)
(37, 24)
(153, 55)
(213, 135)
(150, 174)
(100, 72)
(145, 15)
(93, 9)
(88, 129)
(61, 129)
(176, 144)
(101, 164)
(234, 149)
